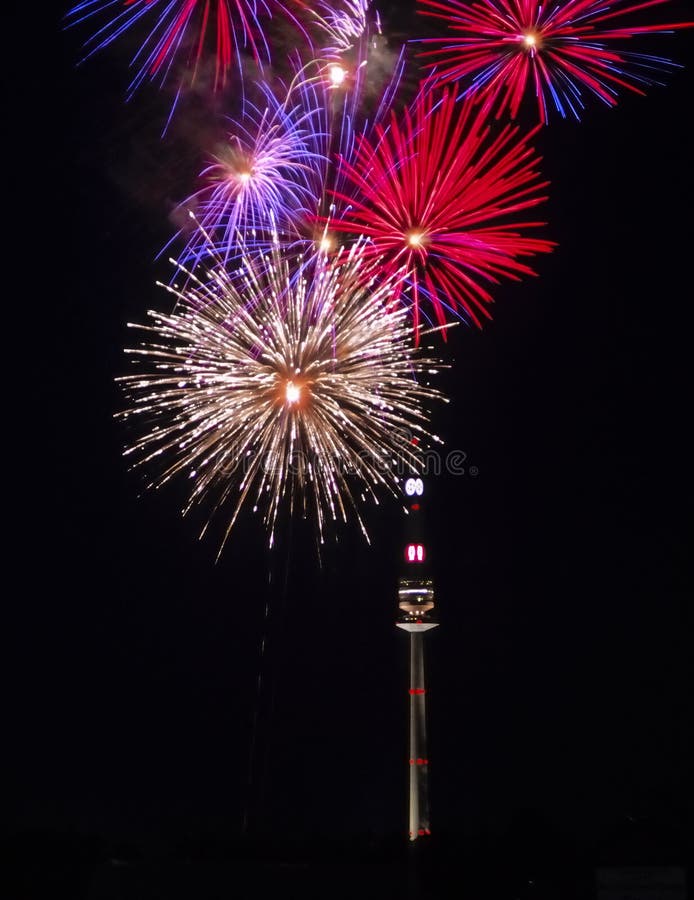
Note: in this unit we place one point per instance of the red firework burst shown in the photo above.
(560, 51)
(438, 192)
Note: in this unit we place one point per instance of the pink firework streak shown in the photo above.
(184, 28)
(438, 192)
(561, 51)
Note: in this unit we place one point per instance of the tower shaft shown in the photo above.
(419, 774)
(416, 604)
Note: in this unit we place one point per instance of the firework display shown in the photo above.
(335, 219)
(561, 52)
(439, 192)
(342, 190)
(264, 388)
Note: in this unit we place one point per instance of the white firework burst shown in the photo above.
(272, 387)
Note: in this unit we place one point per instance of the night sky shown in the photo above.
(558, 678)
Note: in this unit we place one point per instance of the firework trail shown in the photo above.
(266, 389)
(438, 195)
(356, 81)
(181, 32)
(356, 89)
(340, 25)
(561, 52)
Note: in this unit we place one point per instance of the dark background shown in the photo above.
(559, 687)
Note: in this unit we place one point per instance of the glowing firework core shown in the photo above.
(337, 75)
(292, 392)
(415, 238)
(244, 177)
(530, 40)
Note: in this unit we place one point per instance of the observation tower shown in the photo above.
(416, 602)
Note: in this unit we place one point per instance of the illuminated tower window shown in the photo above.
(415, 553)
(414, 486)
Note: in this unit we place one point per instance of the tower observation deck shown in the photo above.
(416, 602)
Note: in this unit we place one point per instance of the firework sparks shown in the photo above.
(439, 194)
(269, 171)
(561, 52)
(269, 389)
(281, 165)
(182, 31)
(341, 24)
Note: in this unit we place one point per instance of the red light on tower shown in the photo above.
(415, 553)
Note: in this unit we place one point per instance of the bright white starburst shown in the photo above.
(283, 383)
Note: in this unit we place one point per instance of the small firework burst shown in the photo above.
(269, 388)
(269, 172)
(561, 52)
